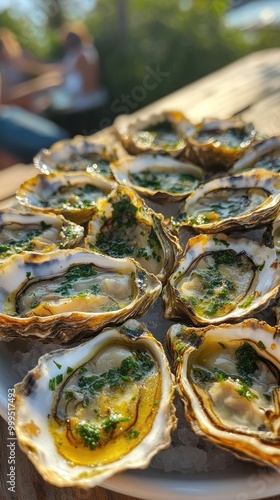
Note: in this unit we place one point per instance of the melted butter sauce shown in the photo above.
(237, 390)
(118, 413)
(217, 283)
(89, 162)
(157, 180)
(224, 203)
(162, 134)
(81, 288)
(232, 138)
(79, 196)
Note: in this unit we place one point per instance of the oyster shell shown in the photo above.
(38, 232)
(220, 279)
(271, 236)
(160, 178)
(123, 226)
(228, 378)
(69, 294)
(72, 195)
(85, 413)
(160, 133)
(264, 154)
(242, 201)
(220, 143)
(76, 155)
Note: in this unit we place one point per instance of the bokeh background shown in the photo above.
(181, 40)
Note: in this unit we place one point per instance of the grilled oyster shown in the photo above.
(220, 143)
(72, 195)
(161, 178)
(123, 226)
(76, 155)
(271, 236)
(228, 378)
(220, 279)
(264, 154)
(21, 232)
(69, 294)
(85, 413)
(162, 133)
(243, 201)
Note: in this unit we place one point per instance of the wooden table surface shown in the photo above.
(250, 87)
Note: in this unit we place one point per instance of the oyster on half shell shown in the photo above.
(37, 232)
(70, 294)
(219, 143)
(159, 133)
(76, 155)
(240, 202)
(264, 154)
(220, 279)
(123, 226)
(72, 195)
(160, 178)
(228, 377)
(85, 413)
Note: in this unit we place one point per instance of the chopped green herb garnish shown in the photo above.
(246, 362)
(90, 434)
(58, 379)
(221, 242)
(69, 369)
(133, 434)
(203, 375)
(243, 390)
(57, 364)
(52, 384)
(247, 302)
(261, 345)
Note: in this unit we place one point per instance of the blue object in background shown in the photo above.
(23, 134)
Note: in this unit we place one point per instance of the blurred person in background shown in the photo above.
(75, 103)
(15, 69)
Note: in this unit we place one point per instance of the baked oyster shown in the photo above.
(159, 133)
(76, 155)
(264, 154)
(220, 279)
(85, 413)
(72, 195)
(70, 294)
(37, 232)
(242, 201)
(271, 236)
(123, 226)
(218, 144)
(228, 377)
(160, 178)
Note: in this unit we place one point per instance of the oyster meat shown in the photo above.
(219, 143)
(221, 278)
(35, 232)
(72, 195)
(68, 294)
(76, 155)
(162, 133)
(160, 178)
(242, 201)
(228, 377)
(85, 413)
(264, 154)
(123, 226)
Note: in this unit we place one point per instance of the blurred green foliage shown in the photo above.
(186, 39)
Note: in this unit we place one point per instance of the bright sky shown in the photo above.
(26, 7)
